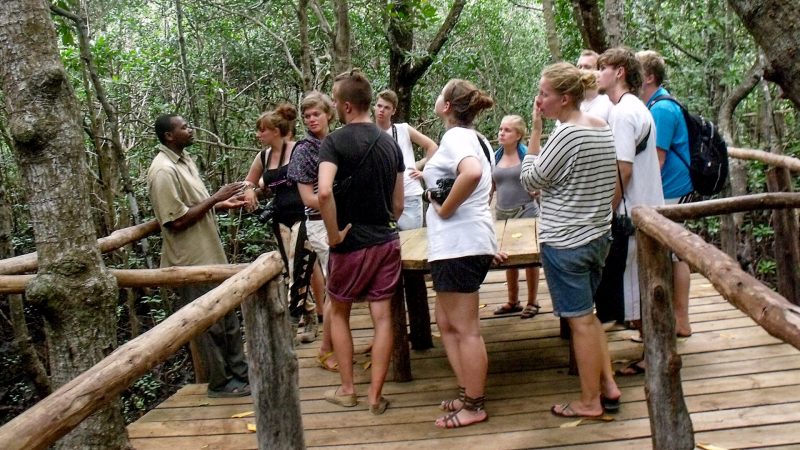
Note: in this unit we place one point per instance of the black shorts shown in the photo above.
(463, 275)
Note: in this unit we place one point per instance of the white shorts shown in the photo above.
(318, 237)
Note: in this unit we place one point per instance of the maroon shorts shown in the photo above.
(370, 273)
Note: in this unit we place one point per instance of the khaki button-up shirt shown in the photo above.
(174, 185)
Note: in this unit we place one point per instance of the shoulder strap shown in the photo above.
(686, 116)
(372, 144)
(485, 149)
(394, 132)
(264, 159)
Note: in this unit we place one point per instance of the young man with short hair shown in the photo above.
(672, 143)
(360, 218)
(620, 78)
(185, 211)
(404, 134)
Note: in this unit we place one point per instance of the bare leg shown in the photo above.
(532, 279)
(463, 326)
(342, 343)
(323, 307)
(382, 344)
(680, 297)
(449, 340)
(586, 335)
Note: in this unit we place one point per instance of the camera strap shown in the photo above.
(622, 191)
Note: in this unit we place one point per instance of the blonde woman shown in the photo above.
(270, 166)
(577, 175)
(514, 202)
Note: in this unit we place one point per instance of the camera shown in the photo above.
(266, 213)
(441, 191)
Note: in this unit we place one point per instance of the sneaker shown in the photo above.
(310, 329)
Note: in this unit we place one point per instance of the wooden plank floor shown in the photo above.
(742, 388)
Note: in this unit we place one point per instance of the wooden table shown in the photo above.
(519, 238)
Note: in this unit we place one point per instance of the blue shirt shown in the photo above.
(672, 136)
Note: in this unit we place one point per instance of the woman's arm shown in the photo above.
(468, 176)
(251, 183)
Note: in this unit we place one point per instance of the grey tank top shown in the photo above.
(510, 193)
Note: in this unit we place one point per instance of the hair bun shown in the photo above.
(287, 111)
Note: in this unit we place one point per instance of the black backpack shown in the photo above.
(708, 152)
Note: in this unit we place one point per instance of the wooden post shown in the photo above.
(273, 368)
(418, 313)
(670, 424)
(787, 238)
(400, 357)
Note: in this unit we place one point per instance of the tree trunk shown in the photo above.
(590, 22)
(120, 170)
(75, 292)
(305, 50)
(553, 43)
(733, 242)
(614, 22)
(784, 222)
(773, 24)
(341, 41)
(405, 71)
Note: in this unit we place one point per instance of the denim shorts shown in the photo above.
(411, 218)
(573, 275)
(463, 275)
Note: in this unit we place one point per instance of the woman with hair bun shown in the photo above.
(461, 244)
(274, 130)
(577, 175)
(514, 202)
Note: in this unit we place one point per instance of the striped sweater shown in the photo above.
(576, 173)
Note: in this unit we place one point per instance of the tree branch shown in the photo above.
(672, 42)
(741, 91)
(421, 65)
(286, 50)
(520, 5)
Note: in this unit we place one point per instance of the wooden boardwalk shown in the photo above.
(742, 388)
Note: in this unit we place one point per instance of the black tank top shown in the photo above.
(289, 207)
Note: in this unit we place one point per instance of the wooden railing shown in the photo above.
(258, 287)
(656, 236)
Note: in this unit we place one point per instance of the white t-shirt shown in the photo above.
(411, 187)
(630, 120)
(599, 106)
(470, 230)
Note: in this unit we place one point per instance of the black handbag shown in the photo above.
(609, 299)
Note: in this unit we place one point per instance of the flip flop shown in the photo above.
(507, 308)
(530, 311)
(631, 369)
(568, 412)
(321, 360)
